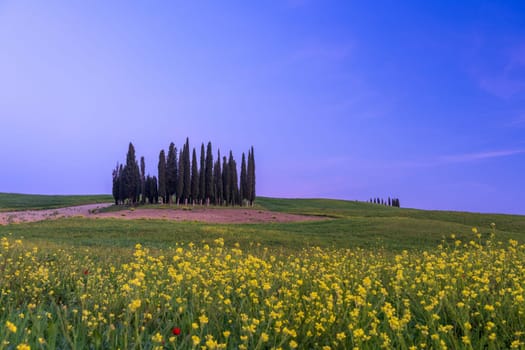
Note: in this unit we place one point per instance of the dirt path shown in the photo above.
(215, 215)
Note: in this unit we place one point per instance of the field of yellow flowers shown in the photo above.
(461, 295)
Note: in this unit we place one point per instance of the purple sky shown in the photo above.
(424, 101)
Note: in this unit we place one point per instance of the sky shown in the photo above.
(419, 100)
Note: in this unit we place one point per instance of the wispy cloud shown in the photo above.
(461, 158)
(501, 86)
(518, 121)
(469, 157)
(496, 66)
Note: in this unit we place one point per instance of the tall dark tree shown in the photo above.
(194, 178)
(131, 175)
(162, 177)
(234, 182)
(217, 177)
(243, 188)
(121, 185)
(116, 184)
(208, 175)
(147, 190)
(226, 181)
(171, 172)
(180, 178)
(202, 181)
(187, 172)
(142, 180)
(251, 176)
(154, 190)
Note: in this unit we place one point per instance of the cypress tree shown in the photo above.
(251, 176)
(162, 177)
(147, 189)
(121, 185)
(187, 172)
(226, 181)
(180, 178)
(217, 177)
(202, 181)
(171, 172)
(234, 188)
(154, 193)
(132, 175)
(142, 180)
(208, 175)
(116, 184)
(194, 178)
(243, 189)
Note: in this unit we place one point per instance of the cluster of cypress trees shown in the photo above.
(184, 181)
(391, 202)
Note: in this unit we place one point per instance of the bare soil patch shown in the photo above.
(46, 214)
(207, 215)
(211, 215)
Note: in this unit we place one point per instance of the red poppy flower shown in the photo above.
(86, 272)
(175, 331)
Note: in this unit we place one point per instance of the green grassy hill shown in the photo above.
(15, 201)
(349, 224)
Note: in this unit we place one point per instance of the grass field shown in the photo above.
(15, 201)
(368, 277)
(350, 224)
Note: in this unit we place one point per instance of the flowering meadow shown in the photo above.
(460, 295)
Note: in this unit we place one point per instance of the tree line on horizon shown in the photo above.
(181, 179)
(391, 202)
